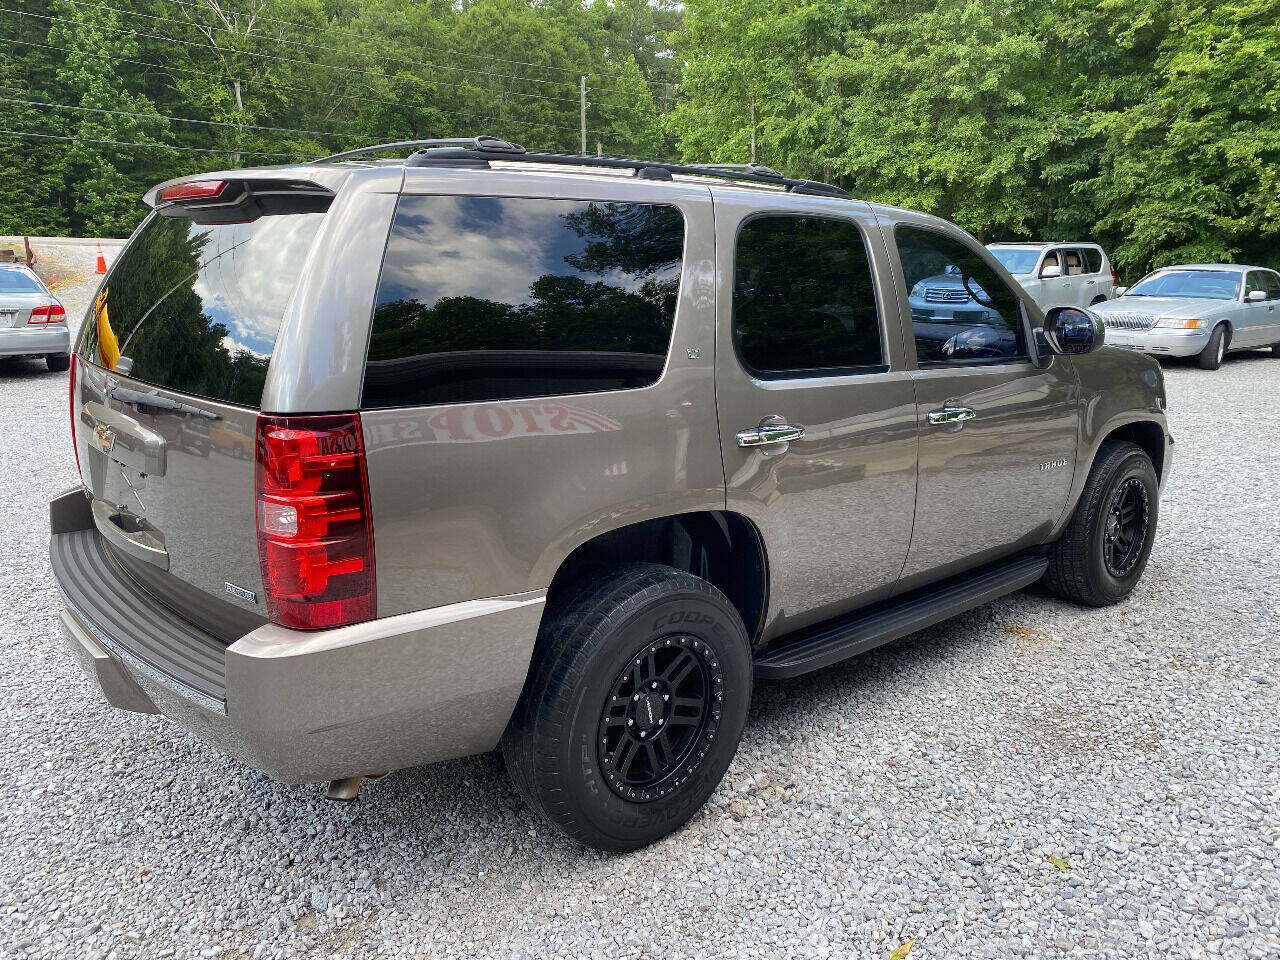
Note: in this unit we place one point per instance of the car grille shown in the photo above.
(1128, 321)
(945, 295)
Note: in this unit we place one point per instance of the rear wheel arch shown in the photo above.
(723, 548)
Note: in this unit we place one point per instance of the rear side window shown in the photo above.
(1271, 283)
(803, 298)
(1093, 258)
(961, 312)
(195, 307)
(492, 298)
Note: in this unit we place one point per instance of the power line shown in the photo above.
(174, 71)
(314, 46)
(152, 146)
(573, 72)
(327, 29)
(268, 56)
(159, 116)
(368, 56)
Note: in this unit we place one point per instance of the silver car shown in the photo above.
(384, 464)
(1200, 310)
(32, 322)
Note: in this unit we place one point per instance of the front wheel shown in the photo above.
(633, 708)
(57, 362)
(1105, 547)
(1210, 358)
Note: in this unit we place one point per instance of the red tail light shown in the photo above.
(192, 190)
(50, 313)
(1114, 280)
(315, 528)
(75, 448)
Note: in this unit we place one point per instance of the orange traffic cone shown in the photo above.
(102, 261)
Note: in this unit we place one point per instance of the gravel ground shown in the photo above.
(1030, 779)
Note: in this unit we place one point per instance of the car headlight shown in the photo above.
(1177, 323)
(917, 290)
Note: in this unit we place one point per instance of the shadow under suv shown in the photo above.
(557, 454)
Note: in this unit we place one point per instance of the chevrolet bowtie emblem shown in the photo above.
(104, 438)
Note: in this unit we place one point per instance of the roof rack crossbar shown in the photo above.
(491, 148)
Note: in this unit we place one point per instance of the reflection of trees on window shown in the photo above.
(165, 327)
(598, 318)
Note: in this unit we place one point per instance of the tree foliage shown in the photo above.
(1148, 125)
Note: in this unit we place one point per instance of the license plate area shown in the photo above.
(8, 318)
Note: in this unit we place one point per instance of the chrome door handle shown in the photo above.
(951, 415)
(768, 433)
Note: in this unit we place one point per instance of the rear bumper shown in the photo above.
(304, 706)
(22, 341)
(1160, 342)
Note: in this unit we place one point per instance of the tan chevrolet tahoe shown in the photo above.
(391, 461)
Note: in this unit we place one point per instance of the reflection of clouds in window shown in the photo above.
(487, 247)
(247, 279)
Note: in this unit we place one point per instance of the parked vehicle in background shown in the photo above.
(558, 453)
(1059, 274)
(1202, 310)
(32, 321)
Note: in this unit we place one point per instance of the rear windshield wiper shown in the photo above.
(139, 399)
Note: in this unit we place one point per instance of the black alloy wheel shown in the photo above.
(1126, 527)
(660, 718)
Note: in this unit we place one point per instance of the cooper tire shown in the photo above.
(57, 362)
(1082, 565)
(569, 727)
(1210, 358)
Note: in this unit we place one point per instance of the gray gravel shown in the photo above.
(1030, 779)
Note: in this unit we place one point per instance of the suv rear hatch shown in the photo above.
(165, 393)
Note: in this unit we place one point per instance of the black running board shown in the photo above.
(828, 643)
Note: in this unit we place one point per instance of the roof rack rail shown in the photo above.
(477, 151)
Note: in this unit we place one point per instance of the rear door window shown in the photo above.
(494, 298)
(1271, 284)
(804, 300)
(1075, 263)
(1093, 259)
(195, 307)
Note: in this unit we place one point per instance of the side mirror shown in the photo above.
(1050, 271)
(1256, 296)
(1070, 331)
(1120, 291)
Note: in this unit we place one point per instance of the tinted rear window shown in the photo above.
(490, 298)
(17, 281)
(196, 307)
(804, 301)
(1093, 259)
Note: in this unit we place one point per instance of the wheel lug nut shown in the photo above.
(666, 696)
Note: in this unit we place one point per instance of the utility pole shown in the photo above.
(239, 116)
(584, 117)
(753, 128)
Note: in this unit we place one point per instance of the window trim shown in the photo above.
(1025, 326)
(673, 203)
(809, 373)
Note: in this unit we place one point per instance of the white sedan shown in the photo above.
(1200, 310)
